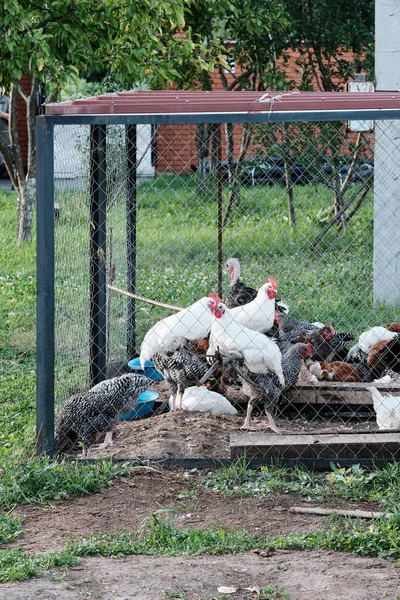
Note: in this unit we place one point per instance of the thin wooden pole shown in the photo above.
(142, 299)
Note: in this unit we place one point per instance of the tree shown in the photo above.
(136, 40)
(322, 31)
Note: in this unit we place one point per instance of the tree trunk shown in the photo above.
(26, 195)
(23, 182)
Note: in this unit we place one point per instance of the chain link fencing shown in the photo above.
(157, 211)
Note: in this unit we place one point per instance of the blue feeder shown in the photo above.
(149, 369)
(144, 408)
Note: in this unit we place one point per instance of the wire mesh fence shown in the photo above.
(283, 224)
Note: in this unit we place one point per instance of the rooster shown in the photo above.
(266, 387)
(259, 353)
(175, 331)
(86, 414)
(239, 293)
(258, 314)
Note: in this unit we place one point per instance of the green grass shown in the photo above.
(354, 483)
(160, 537)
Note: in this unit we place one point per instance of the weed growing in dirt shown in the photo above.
(269, 593)
(41, 480)
(10, 528)
(16, 565)
(379, 537)
(354, 483)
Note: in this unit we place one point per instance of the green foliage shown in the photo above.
(354, 483)
(323, 32)
(10, 528)
(378, 537)
(16, 565)
(41, 480)
(137, 41)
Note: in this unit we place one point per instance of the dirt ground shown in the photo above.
(186, 434)
(316, 575)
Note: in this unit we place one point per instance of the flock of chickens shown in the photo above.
(250, 339)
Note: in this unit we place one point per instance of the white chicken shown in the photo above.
(227, 336)
(376, 334)
(175, 331)
(259, 314)
(202, 399)
(387, 409)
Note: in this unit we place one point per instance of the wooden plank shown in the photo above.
(335, 393)
(331, 446)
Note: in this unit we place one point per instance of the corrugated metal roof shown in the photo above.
(179, 102)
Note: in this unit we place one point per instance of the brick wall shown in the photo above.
(176, 144)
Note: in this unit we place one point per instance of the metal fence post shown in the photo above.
(97, 285)
(131, 216)
(45, 288)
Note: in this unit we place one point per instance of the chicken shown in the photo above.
(173, 332)
(258, 351)
(180, 371)
(359, 359)
(239, 293)
(376, 334)
(387, 409)
(86, 414)
(199, 398)
(334, 371)
(258, 314)
(385, 354)
(290, 330)
(393, 326)
(266, 387)
(320, 343)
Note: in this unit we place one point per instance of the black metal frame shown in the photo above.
(45, 231)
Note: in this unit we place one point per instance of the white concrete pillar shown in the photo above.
(387, 157)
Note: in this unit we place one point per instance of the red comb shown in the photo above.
(272, 281)
(309, 347)
(215, 297)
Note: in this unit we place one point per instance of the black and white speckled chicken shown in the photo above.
(96, 411)
(289, 330)
(265, 387)
(183, 369)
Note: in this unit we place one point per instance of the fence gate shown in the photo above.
(144, 199)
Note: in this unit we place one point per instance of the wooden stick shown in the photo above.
(360, 514)
(154, 302)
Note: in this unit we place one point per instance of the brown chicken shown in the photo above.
(393, 326)
(335, 371)
(385, 354)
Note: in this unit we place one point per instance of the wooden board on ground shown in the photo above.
(335, 393)
(358, 446)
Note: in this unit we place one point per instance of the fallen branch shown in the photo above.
(142, 299)
(360, 514)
